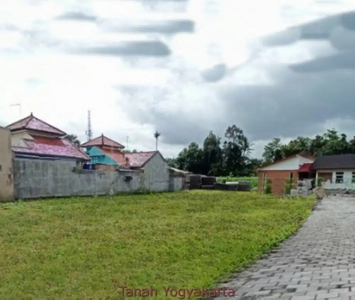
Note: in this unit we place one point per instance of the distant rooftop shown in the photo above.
(44, 146)
(139, 159)
(102, 141)
(34, 124)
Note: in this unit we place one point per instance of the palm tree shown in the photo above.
(156, 135)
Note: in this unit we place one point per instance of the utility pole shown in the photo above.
(89, 131)
(19, 105)
(127, 142)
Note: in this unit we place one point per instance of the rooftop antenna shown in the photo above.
(89, 131)
(19, 105)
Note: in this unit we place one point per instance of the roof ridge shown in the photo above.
(64, 133)
(77, 148)
(18, 121)
(30, 118)
(112, 140)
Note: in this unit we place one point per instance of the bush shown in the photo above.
(319, 182)
(268, 188)
(288, 186)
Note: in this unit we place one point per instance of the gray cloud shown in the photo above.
(299, 105)
(76, 16)
(215, 73)
(300, 99)
(321, 29)
(164, 27)
(143, 48)
(178, 128)
(335, 62)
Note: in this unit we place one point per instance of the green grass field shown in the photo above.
(253, 180)
(87, 248)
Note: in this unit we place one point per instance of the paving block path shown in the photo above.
(318, 262)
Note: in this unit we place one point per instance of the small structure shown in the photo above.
(337, 172)
(33, 138)
(105, 153)
(184, 174)
(281, 176)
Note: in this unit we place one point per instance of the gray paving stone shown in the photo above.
(316, 263)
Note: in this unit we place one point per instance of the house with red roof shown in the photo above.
(33, 138)
(281, 172)
(107, 154)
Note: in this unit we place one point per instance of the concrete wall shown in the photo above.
(55, 178)
(6, 177)
(157, 174)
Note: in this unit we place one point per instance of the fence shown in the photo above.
(41, 178)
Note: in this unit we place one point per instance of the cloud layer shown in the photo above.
(180, 67)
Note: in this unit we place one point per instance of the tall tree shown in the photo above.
(156, 135)
(73, 138)
(300, 144)
(236, 149)
(272, 151)
(212, 155)
(190, 159)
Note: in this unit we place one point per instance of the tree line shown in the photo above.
(231, 156)
(217, 157)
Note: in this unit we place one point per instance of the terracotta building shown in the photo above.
(279, 173)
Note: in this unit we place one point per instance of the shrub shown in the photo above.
(319, 182)
(288, 186)
(268, 188)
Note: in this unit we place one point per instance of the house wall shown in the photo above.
(347, 184)
(56, 178)
(105, 167)
(278, 178)
(289, 164)
(157, 174)
(17, 138)
(6, 168)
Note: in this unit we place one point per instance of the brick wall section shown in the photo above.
(278, 180)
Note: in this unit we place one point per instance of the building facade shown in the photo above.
(6, 166)
(283, 174)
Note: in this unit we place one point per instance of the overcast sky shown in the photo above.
(275, 68)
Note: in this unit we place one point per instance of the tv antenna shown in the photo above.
(19, 105)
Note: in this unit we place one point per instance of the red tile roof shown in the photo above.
(43, 146)
(305, 168)
(103, 141)
(33, 123)
(139, 159)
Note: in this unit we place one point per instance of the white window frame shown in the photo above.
(339, 177)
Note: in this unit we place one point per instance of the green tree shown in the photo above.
(272, 151)
(190, 158)
(73, 138)
(236, 149)
(300, 144)
(171, 162)
(212, 155)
